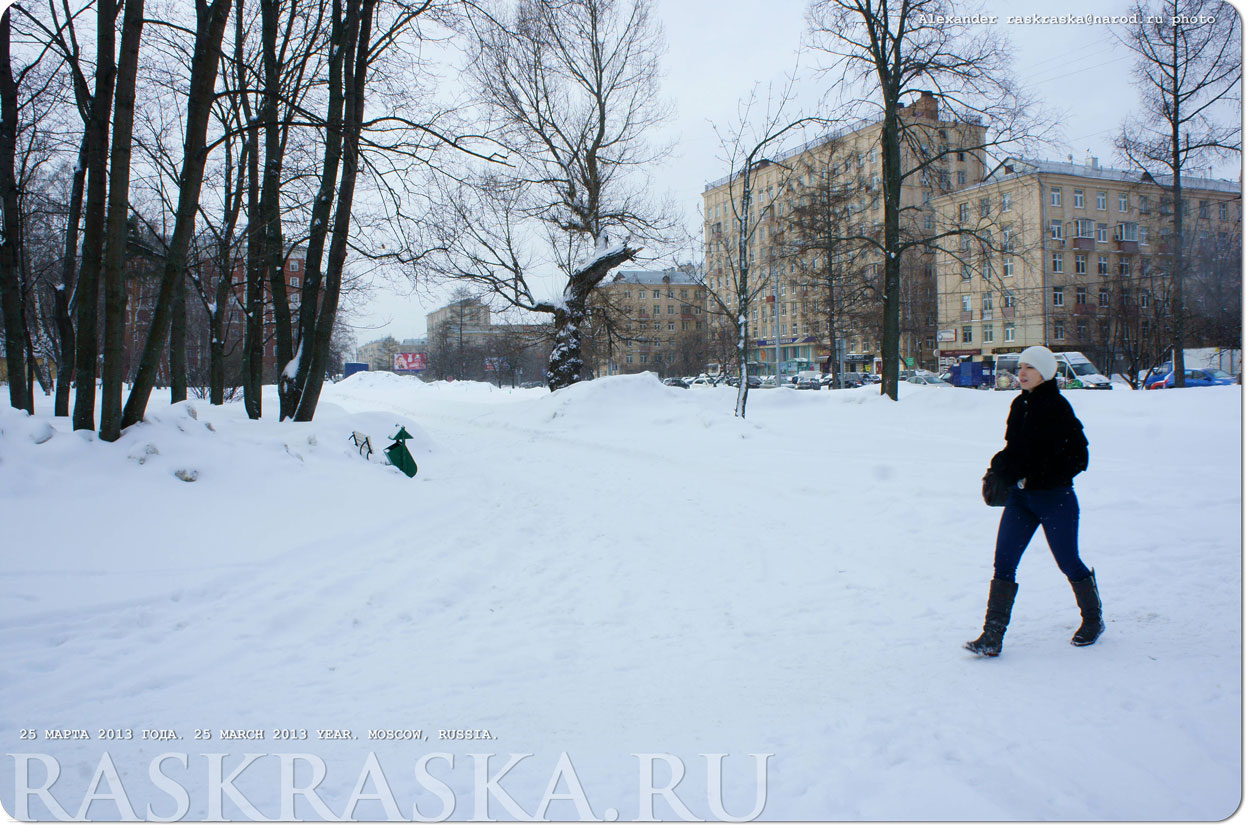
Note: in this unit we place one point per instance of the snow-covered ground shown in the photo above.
(624, 582)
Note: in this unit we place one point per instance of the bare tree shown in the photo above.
(816, 236)
(890, 51)
(118, 213)
(734, 281)
(10, 283)
(210, 27)
(1189, 71)
(571, 90)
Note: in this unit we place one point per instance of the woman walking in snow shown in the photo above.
(1046, 448)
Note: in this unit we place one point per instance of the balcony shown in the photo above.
(965, 314)
(1126, 246)
(1009, 313)
(1083, 243)
(1084, 309)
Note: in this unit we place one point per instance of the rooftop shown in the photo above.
(1091, 169)
(671, 276)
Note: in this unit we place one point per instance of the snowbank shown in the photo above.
(614, 569)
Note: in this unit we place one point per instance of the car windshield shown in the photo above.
(1219, 374)
(1084, 368)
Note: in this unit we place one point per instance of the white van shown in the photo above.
(1078, 372)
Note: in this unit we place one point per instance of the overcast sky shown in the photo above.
(719, 49)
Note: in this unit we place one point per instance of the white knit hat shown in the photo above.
(1042, 360)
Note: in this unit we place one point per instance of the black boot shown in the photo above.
(1091, 612)
(997, 616)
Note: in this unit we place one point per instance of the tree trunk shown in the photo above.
(88, 344)
(113, 371)
(178, 342)
(210, 27)
(65, 292)
(343, 34)
(891, 175)
(565, 366)
(10, 285)
(317, 352)
(1178, 231)
(270, 203)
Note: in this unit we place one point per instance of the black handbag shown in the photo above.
(994, 488)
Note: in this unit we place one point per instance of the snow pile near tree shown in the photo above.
(621, 580)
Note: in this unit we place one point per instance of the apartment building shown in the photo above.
(143, 276)
(1059, 251)
(649, 320)
(467, 321)
(808, 299)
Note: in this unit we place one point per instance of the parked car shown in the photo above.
(676, 382)
(807, 380)
(1193, 378)
(701, 382)
(927, 379)
(849, 380)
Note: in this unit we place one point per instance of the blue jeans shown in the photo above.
(1057, 512)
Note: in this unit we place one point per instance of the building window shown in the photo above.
(657, 309)
(671, 326)
(629, 359)
(1058, 296)
(1056, 262)
(961, 178)
(1009, 299)
(1056, 197)
(1078, 198)
(1056, 229)
(1009, 268)
(987, 303)
(985, 207)
(1079, 268)
(963, 212)
(1103, 270)
(967, 335)
(987, 333)
(671, 309)
(1060, 332)
(1143, 204)
(1104, 297)
(1123, 203)
(1145, 300)
(1009, 332)
(1009, 244)
(1126, 268)
(1202, 209)
(1080, 295)
(1102, 200)
(1006, 202)
(1084, 228)
(1223, 210)
(655, 294)
(965, 272)
(1102, 232)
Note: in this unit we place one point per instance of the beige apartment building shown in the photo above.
(467, 321)
(1060, 250)
(649, 320)
(801, 291)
